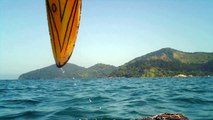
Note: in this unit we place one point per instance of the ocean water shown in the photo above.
(117, 98)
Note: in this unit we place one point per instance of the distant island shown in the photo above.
(70, 71)
(166, 62)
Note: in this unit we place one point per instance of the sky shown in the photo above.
(111, 32)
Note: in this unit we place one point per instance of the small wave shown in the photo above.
(73, 112)
(102, 99)
(193, 90)
(154, 100)
(24, 115)
(196, 100)
(137, 103)
(126, 87)
(21, 101)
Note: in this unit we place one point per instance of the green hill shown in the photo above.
(52, 72)
(69, 71)
(167, 62)
(98, 71)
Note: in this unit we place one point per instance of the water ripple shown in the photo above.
(117, 98)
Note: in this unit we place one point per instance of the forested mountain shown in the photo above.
(167, 62)
(69, 71)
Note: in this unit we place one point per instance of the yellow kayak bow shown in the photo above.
(63, 22)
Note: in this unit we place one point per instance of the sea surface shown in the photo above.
(109, 98)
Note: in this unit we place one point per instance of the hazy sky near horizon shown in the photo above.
(111, 31)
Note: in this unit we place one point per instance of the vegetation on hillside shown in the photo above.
(167, 62)
(69, 71)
